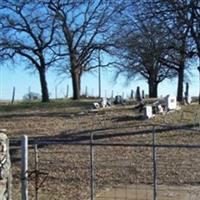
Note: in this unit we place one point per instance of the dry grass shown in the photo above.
(68, 167)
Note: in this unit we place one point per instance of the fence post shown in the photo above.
(13, 95)
(24, 167)
(36, 172)
(56, 92)
(154, 165)
(91, 168)
(86, 91)
(112, 94)
(67, 93)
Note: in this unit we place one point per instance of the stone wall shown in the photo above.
(5, 168)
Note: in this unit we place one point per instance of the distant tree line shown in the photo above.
(151, 39)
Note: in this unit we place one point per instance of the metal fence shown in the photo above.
(153, 165)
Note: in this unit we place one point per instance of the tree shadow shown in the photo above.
(128, 118)
(44, 114)
(85, 136)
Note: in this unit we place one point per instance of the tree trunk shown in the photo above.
(44, 89)
(181, 70)
(76, 85)
(180, 84)
(153, 89)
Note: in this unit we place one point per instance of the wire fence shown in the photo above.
(161, 165)
(57, 92)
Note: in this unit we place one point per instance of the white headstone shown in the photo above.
(148, 112)
(160, 109)
(171, 102)
(189, 100)
(104, 102)
(96, 105)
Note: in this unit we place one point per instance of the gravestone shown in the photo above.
(104, 102)
(160, 109)
(171, 102)
(188, 98)
(137, 95)
(96, 105)
(143, 94)
(132, 94)
(118, 100)
(148, 112)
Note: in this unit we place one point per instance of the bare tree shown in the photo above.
(83, 33)
(140, 52)
(26, 36)
(178, 60)
(194, 23)
(176, 19)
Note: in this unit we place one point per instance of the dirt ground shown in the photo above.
(68, 167)
(55, 121)
(145, 192)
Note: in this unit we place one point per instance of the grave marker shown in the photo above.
(171, 102)
(148, 112)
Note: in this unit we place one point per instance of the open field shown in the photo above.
(68, 166)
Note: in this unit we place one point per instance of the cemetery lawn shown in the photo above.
(65, 119)
(67, 116)
(26, 106)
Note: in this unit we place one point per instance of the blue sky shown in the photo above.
(22, 80)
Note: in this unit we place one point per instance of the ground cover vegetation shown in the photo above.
(68, 166)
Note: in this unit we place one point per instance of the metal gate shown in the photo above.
(144, 166)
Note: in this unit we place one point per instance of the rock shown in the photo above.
(5, 168)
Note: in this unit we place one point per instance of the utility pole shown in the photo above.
(99, 81)
(99, 59)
